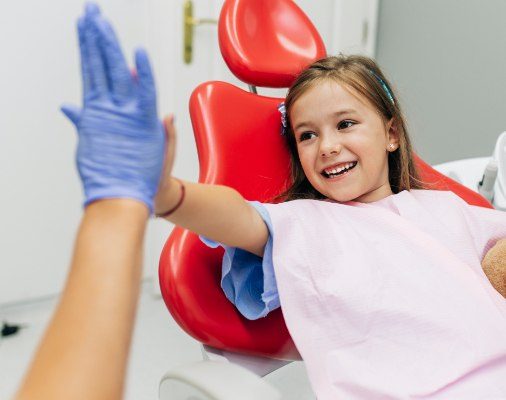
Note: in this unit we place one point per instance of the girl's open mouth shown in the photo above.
(334, 173)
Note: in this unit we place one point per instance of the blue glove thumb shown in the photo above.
(72, 112)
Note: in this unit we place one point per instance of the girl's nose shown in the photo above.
(329, 147)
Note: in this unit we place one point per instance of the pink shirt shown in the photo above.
(388, 300)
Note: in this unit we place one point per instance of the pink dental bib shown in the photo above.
(388, 300)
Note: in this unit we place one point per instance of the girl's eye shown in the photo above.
(345, 124)
(306, 136)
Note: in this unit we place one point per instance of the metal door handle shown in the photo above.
(189, 24)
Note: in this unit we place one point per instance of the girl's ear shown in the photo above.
(393, 134)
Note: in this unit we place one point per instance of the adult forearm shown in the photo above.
(103, 284)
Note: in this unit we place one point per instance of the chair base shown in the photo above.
(214, 380)
(260, 366)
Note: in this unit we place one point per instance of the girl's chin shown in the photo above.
(343, 197)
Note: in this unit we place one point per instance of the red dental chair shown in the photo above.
(266, 44)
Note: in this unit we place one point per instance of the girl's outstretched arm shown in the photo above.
(217, 212)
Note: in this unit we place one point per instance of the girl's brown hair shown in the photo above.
(363, 75)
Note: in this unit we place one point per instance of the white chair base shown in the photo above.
(214, 380)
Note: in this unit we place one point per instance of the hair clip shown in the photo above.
(385, 87)
(284, 122)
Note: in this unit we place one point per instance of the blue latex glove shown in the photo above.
(121, 141)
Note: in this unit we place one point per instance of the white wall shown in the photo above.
(41, 197)
(447, 61)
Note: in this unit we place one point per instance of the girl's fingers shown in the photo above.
(165, 178)
(170, 143)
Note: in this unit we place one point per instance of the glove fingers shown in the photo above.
(147, 90)
(85, 68)
(118, 74)
(91, 9)
(98, 79)
(72, 112)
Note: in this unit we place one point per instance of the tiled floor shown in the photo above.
(158, 345)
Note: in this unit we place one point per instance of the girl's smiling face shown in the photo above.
(334, 128)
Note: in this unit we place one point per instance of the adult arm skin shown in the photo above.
(84, 352)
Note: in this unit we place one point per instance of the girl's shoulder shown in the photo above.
(448, 197)
(433, 194)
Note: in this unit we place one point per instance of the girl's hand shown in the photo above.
(121, 141)
(163, 199)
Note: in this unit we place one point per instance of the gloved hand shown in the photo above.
(121, 145)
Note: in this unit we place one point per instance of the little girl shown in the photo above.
(380, 281)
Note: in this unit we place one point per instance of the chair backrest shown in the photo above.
(239, 145)
(267, 43)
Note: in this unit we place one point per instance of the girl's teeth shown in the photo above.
(339, 170)
(335, 171)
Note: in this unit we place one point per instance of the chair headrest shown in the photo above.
(267, 43)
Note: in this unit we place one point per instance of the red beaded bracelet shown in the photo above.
(167, 213)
